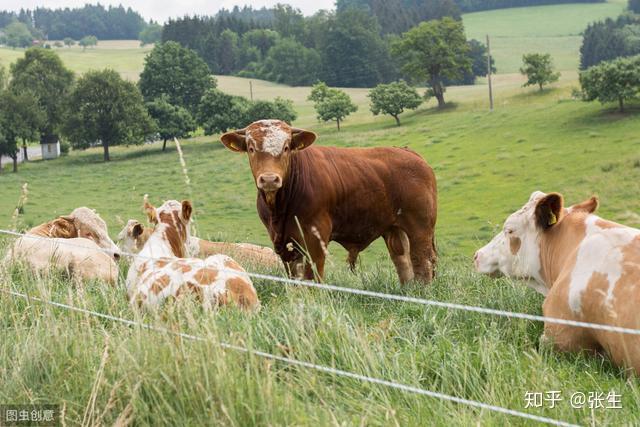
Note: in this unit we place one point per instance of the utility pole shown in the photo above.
(251, 89)
(489, 74)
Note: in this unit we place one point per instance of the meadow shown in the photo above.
(487, 164)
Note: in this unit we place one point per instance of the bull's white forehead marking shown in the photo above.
(599, 252)
(273, 136)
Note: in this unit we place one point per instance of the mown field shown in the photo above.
(487, 164)
(555, 29)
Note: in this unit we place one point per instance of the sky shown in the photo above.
(160, 10)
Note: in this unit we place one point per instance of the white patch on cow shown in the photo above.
(600, 252)
(274, 139)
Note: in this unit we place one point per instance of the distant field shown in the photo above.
(124, 56)
(554, 29)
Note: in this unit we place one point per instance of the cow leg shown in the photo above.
(398, 246)
(352, 258)
(423, 257)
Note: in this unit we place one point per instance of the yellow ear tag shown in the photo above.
(552, 218)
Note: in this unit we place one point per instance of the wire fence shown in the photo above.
(352, 291)
(300, 363)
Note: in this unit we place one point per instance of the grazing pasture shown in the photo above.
(555, 29)
(487, 164)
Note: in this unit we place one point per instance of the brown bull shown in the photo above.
(308, 196)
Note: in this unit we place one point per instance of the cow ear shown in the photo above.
(301, 139)
(549, 210)
(187, 209)
(64, 227)
(589, 206)
(235, 140)
(150, 210)
(137, 230)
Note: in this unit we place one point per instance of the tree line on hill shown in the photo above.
(611, 39)
(347, 48)
(106, 23)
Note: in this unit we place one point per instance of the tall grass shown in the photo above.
(102, 371)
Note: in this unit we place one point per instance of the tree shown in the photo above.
(393, 99)
(108, 110)
(434, 51)
(17, 34)
(634, 6)
(613, 81)
(88, 41)
(20, 118)
(172, 121)
(478, 56)
(177, 73)
(538, 68)
(353, 53)
(289, 62)
(219, 112)
(152, 33)
(279, 108)
(331, 104)
(42, 73)
(227, 52)
(68, 41)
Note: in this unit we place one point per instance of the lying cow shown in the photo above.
(82, 222)
(348, 195)
(134, 235)
(588, 268)
(162, 270)
(82, 259)
(78, 244)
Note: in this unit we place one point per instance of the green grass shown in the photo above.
(124, 56)
(553, 29)
(487, 164)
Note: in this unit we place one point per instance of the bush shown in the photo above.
(65, 147)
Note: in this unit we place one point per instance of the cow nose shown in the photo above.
(269, 181)
(116, 256)
(476, 258)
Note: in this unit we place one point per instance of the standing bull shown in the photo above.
(308, 196)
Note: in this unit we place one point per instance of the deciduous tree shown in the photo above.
(612, 81)
(432, 52)
(172, 121)
(107, 110)
(393, 99)
(331, 104)
(175, 72)
(538, 67)
(42, 73)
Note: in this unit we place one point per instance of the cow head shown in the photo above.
(133, 236)
(89, 225)
(270, 145)
(515, 251)
(172, 219)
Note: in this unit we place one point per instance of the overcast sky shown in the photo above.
(160, 10)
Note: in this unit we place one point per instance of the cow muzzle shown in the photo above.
(269, 182)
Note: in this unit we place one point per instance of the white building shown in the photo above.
(50, 150)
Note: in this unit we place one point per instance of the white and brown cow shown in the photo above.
(162, 269)
(588, 268)
(81, 223)
(134, 235)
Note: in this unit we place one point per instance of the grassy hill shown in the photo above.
(124, 56)
(486, 163)
(555, 29)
